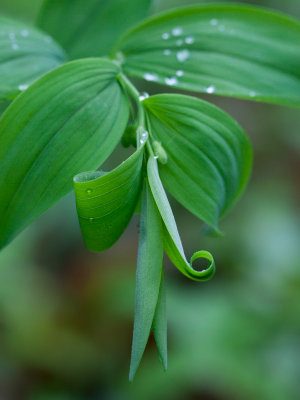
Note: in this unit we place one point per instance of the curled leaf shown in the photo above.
(172, 241)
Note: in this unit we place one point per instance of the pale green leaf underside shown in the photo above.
(105, 203)
(172, 241)
(90, 27)
(68, 121)
(229, 50)
(209, 155)
(148, 283)
(25, 55)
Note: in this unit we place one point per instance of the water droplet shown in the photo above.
(252, 94)
(179, 72)
(155, 157)
(14, 46)
(232, 31)
(142, 135)
(179, 42)
(171, 81)
(182, 55)
(150, 77)
(91, 219)
(210, 89)
(143, 96)
(165, 36)
(24, 32)
(177, 31)
(167, 52)
(12, 36)
(89, 191)
(214, 22)
(23, 87)
(189, 40)
(221, 28)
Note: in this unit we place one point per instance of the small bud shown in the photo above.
(160, 152)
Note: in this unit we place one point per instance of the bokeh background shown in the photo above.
(66, 314)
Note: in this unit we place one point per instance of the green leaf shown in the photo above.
(229, 50)
(172, 241)
(208, 154)
(25, 55)
(90, 28)
(69, 120)
(159, 325)
(148, 280)
(105, 202)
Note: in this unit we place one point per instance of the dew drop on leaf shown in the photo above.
(180, 72)
(150, 77)
(165, 36)
(189, 40)
(167, 52)
(177, 31)
(214, 22)
(171, 81)
(182, 55)
(23, 87)
(210, 89)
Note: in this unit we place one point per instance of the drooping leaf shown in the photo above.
(148, 279)
(25, 55)
(159, 325)
(208, 154)
(172, 241)
(68, 121)
(91, 27)
(106, 201)
(230, 50)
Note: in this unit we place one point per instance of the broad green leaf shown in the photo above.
(68, 121)
(148, 279)
(172, 241)
(90, 27)
(229, 50)
(106, 201)
(25, 55)
(208, 154)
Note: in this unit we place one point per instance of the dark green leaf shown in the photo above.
(105, 202)
(208, 154)
(172, 241)
(148, 281)
(25, 55)
(229, 50)
(69, 120)
(90, 27)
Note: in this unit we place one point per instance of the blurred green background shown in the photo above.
(66, 315)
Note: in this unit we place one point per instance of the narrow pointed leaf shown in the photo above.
(106, 202)
(68, 121)
(91, 27)
(148, 279)
(25, 55)
(208, 154)
(159, 325)
(230, 50)
(172, 241)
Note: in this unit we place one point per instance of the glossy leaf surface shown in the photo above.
(229, 50)
(68, 121)
(90, 27)
(148, 280)
(208, 154)
(172, 241)
(25, 55)
(105, 202)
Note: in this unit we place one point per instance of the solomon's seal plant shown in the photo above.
(66, 117)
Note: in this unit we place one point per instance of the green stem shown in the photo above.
(134, 93)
